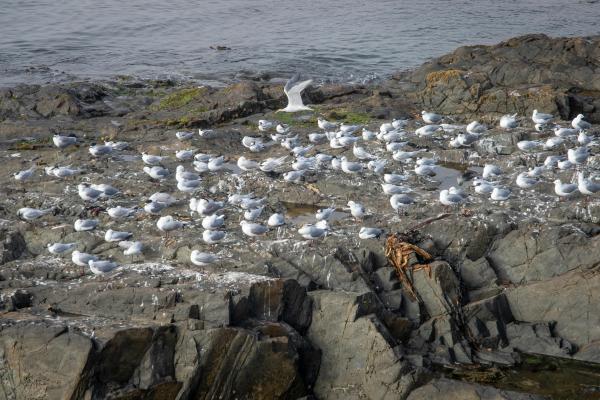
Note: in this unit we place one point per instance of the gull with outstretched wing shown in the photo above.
(293, 90)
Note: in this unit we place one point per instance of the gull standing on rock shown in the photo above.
(580, 124)
(101, 267)
(430, 117)
(84, 225)
(500, 194)
(82, 259)
(157, 172)
(509, 121)
(313, 232)
(63, 142)
(276, 220)
(213, 222)
(370, 233)
(252, 229)
(326, 125)
(24, 175)
(564, 189)
(61, 248)
(541, 118)
(293, 90)
(586, 186)
(357, 210)
(167, 224)
(212, 237)
(202, 259)
(116, 236)
(88, 193)
(29, 214)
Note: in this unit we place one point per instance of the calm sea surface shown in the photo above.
(49, 40)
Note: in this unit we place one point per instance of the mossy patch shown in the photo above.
(180, 98)
(444, 77)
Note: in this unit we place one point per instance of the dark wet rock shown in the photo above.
(12, 245)
(448, 389)
(533, 71)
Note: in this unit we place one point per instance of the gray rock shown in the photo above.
(448, 389)
(12, 245)
(536, 338)
(477, 274)
(357, 361)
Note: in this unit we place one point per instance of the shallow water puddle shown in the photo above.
(299, 214)
(448, 172)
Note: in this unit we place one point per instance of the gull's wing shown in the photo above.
(294, 88)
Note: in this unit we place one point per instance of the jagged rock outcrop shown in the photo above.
(556, 75)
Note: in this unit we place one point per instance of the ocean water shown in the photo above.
(329, 40)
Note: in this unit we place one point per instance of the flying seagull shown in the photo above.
(293, 90)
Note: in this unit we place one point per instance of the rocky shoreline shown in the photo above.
(498, 301)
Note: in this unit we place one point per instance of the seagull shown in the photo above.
(524, 181)
(394, 178)
(399, 123)
(509, 121)
(450, 199)
(475, 128)
(293, 90)
(63, 142)
(107, 190)
(202, 259)
(247, 165)
(272, 163)
(182, 175)
(553, 142)
(430, 117)
(276, 220)
(464, 140)
(425, 170)
(361, 153)
(483, 187)
(370, 233)
(377, 166)
(368, 135)
(326, 125)
(116, 236)
(100, 267)
(84, 225)
(357, 210)
(587, 186)
(185, 154)
(565, 132)
(88, 193)
(212, 237)
(293, 176)
(500, 194)
(253, 229)
(580, 124)
(313, 232)
(491, 171)
(61, 248)
(188, 186)
(216, 163)
(154, 207)
(303, 163)
(207, 133)
(22, 176)
(168, 223)
(528, 145)
(583, 139)
(400, 201)
(264, 125)
(120, 212)
(300, 151)
(182, 135)
(82, 259)
(131, 248)
(61, 172)
(118, 146)
(317, 138)
(253, 214)
(389, 188)
(578, 156)
(157, 172)
(564, 189)
(204, 206)
(350, 167)
(212, 222)
(150, 159)
(29, 214)
(98, 150)
(427, 130)
(405, 155)
(564, 164)
(541, 118)
(164, 198)
(324, 214)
